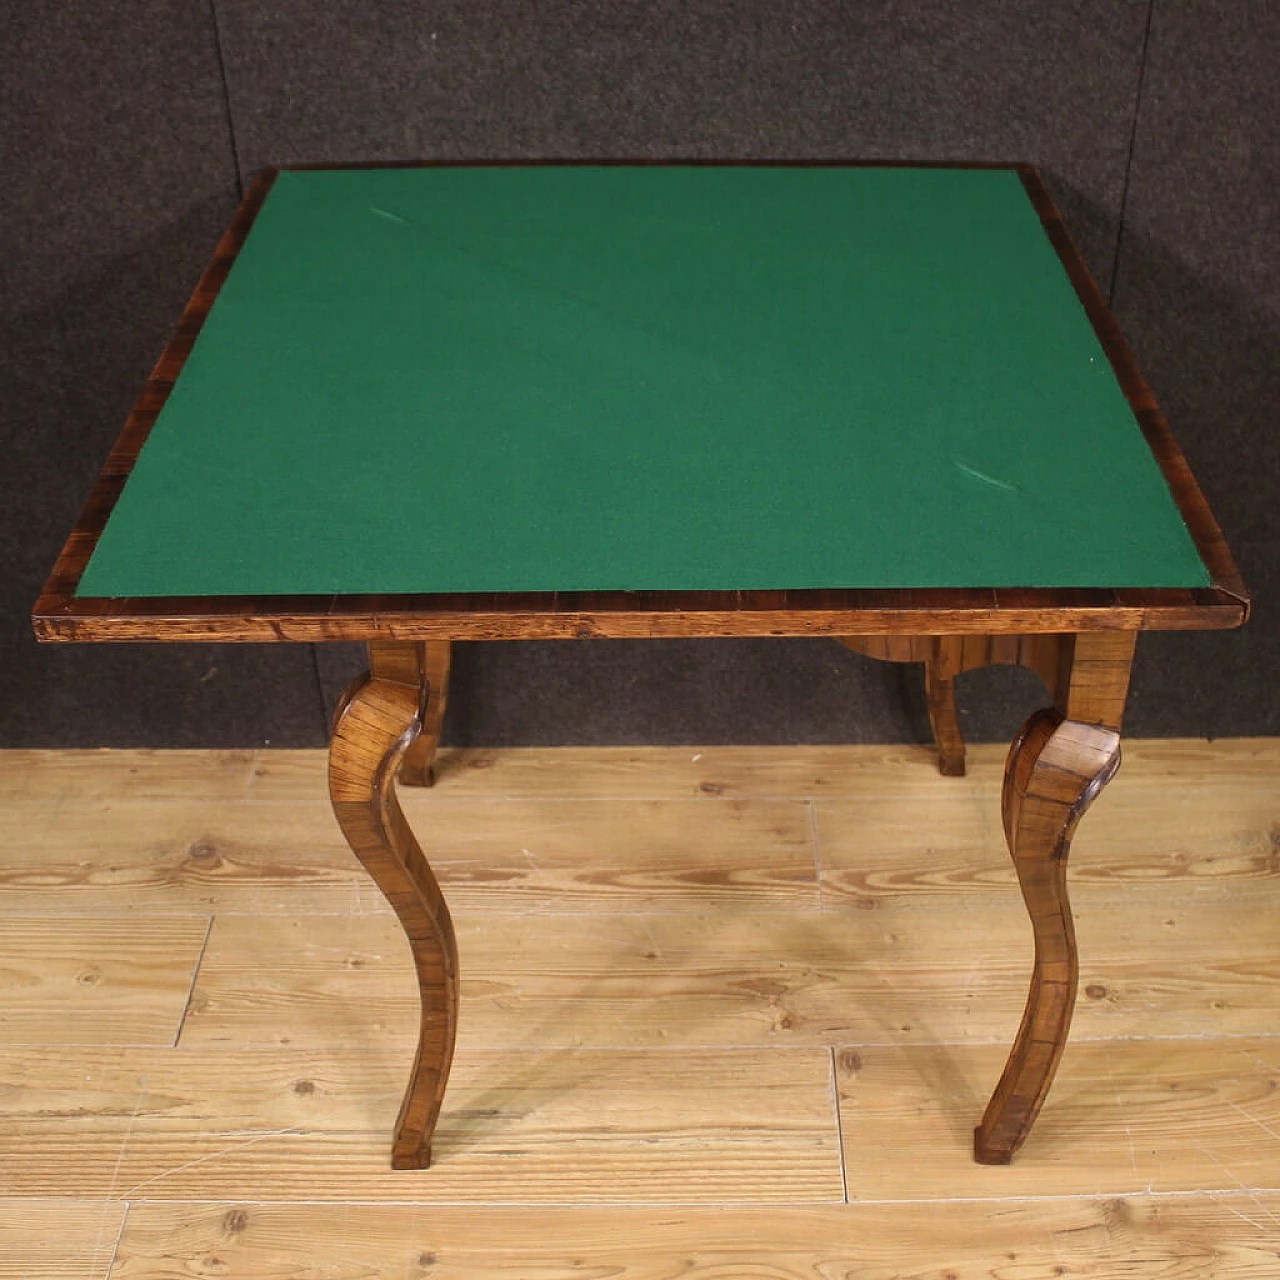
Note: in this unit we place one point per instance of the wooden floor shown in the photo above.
(726, 1013)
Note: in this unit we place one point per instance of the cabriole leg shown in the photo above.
(1056, 768)
(377, 721)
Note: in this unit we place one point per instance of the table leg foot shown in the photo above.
(412, 1157)
(377, 722)
(1055, 770)
(417, 769)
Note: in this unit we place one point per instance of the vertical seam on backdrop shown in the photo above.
(325, 709)
(1133, 140)
(226, 97)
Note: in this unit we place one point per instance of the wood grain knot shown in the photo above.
(850, 1060)
(234, 1221)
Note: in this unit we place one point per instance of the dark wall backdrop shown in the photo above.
(131, 129)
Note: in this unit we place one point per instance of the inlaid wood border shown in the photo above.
(60, 615)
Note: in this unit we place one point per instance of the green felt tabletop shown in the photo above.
(643, 378)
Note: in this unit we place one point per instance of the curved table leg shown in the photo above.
(1055, 770)
(416, 769)
(376, 723)
(940, 689)
(943, 659)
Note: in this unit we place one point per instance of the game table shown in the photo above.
(881, 403)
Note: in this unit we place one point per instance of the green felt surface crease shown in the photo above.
(643, 378)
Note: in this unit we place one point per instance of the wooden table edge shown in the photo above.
(61, 620)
